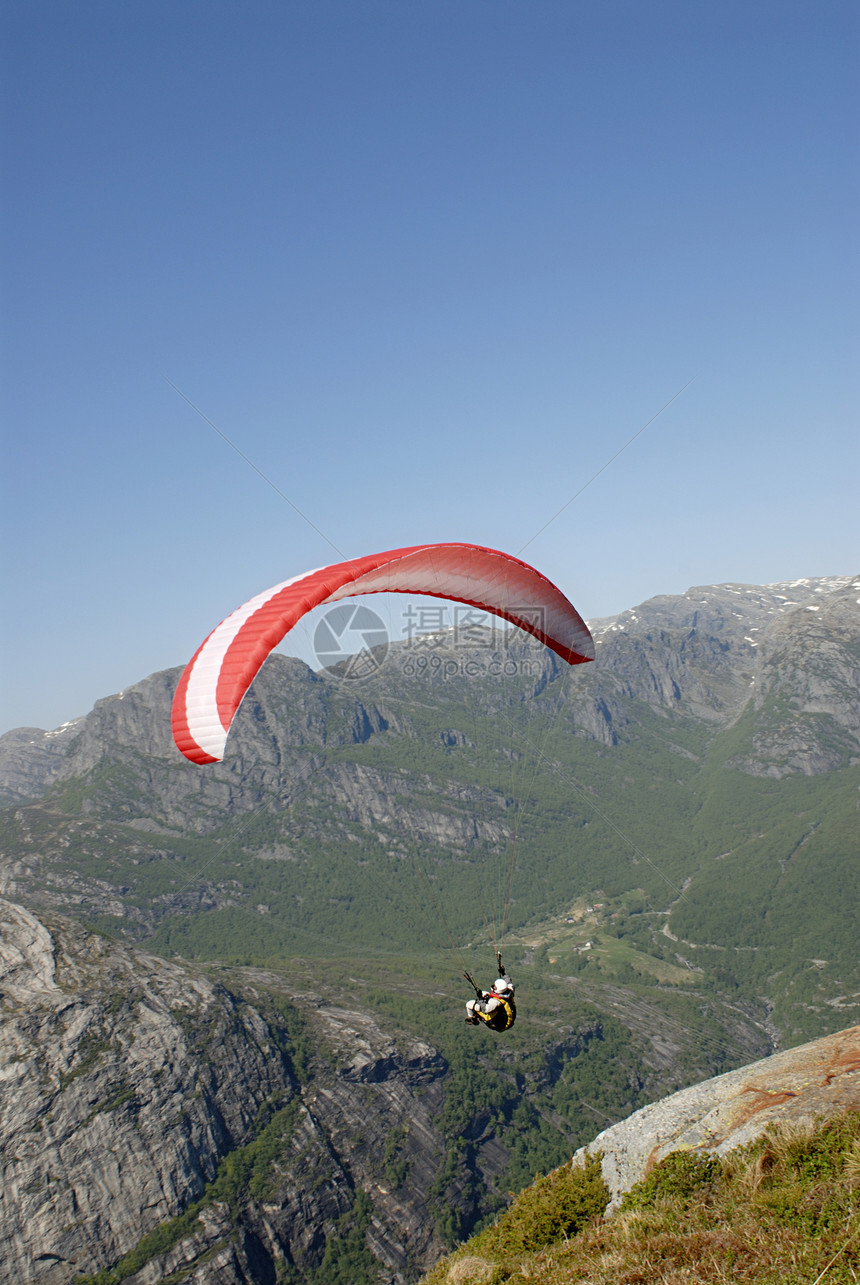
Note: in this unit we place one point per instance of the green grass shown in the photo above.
(782, 1211)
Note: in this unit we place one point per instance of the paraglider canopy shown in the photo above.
(219, 674)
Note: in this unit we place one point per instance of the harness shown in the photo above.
(501, 1019)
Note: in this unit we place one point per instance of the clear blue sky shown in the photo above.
(428, 264)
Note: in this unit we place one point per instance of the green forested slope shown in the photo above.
(700, 785)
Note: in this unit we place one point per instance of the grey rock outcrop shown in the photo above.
(798, 1085)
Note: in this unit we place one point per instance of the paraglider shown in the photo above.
(496, 1007)
(216, 679)
(219, 674)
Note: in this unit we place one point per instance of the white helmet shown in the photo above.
(502, 986)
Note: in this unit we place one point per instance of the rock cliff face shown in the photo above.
(32, 759)
(127, 1080)
(798, 1086)
(805, 711)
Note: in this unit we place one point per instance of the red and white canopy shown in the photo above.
(217, 677)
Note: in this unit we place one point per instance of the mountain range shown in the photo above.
(669, 838)
(700, 782)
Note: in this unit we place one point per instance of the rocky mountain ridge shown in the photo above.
(699, 649)
(724, 649)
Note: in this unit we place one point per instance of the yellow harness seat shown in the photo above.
(501, 1019)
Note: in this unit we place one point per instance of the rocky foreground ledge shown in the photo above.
(799, 1086)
